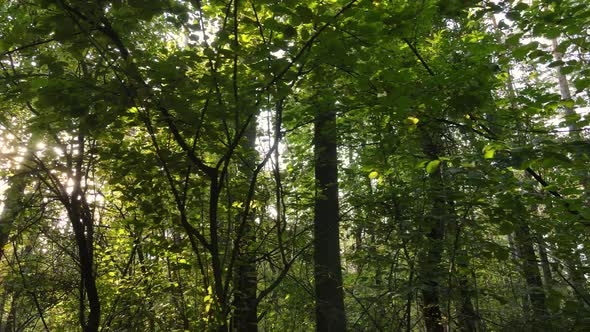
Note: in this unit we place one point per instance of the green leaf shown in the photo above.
(432, 166)
(569, 103)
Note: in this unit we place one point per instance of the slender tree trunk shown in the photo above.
(468, 317)
(469, 320)
(564, 88)
(16, 186)
(218, 289)
(575, 273)
(548, 278)
(573, 265)
(2, 306)
(11, 324)
(81, 219)
(515, 254)
(92, 324)
(245, 279)
(12, 204)
(246, 318)
(330, 315)
(530, 269)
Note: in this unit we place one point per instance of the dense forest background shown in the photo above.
(282, 165)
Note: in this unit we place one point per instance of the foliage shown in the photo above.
(180, 132)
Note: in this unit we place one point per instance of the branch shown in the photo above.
(415, 51)
(24, 47)
(489, 134)
(308, 45)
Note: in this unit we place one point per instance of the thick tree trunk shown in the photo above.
(330, 315)
(430, 274)
(430, 270)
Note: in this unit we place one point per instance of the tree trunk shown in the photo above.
(86, 269)
(246, 318)
(548, 278)
(245, 278)
(12, 204)
(430, 273)
(468, 317)
(564, 88)
(13, 195)
(469, 320)
(81, 219)
(330, 315)
(430, 270)
(530, 269)
(576, 276)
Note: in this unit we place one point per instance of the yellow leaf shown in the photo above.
(489, 151)
(412, 120)
(373, 174)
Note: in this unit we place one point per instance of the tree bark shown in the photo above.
(468, 318)
(13, 195)
(245, 279)
(430, 270)
(82, 223)
(12, 204)
(532, 275)
(573, 265)
(548, 278)
(430, 273)
(330, 314)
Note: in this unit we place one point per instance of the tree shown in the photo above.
(327, 265)
(291, 165)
